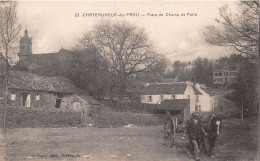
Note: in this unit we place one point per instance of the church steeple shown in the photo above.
(25, 47)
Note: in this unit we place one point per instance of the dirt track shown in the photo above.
(139, 143)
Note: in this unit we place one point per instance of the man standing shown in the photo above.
(169, 125)
(194, 130)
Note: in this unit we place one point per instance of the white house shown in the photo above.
(156, 93)
(206, 101)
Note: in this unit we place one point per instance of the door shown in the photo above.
(58, 102)
(28, 100)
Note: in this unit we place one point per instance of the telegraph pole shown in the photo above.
(6, 91)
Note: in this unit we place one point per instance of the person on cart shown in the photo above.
(169, 125)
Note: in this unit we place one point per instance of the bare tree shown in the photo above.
(240, 30)
(9, 36)
(124, 47)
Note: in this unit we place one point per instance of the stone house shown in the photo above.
(207, 100)
(27, 90)
(156, 93)
(224, 74)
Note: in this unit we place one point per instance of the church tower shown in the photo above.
(25, 52)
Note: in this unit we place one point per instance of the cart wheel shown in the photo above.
(170, 141)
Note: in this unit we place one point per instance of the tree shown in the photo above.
(158, 70)
(124, 47)
(88, 72)
(244, 92)
(9, 36)
(177, 68)
(240, 31)
(202, 71)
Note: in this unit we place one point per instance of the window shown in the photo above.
(197, 98)
(226, 79)
(225, 73)
(216, 74)
(37, 97)
(58, 101)
(12, 96)
(220, 74)
(196, 108)
(161, 98)
(150, 99)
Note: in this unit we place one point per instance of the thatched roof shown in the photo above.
(29, 81)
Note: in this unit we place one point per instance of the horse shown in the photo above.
(212, 128)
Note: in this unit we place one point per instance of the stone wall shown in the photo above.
(46, 100)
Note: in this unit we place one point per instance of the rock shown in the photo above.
(30, 157)
(86, 156)
(128, 155)
(129, 125)
(113, 157)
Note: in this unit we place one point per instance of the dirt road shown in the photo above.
(3, 146)
(105, 144)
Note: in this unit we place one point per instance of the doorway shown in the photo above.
(58, 103)
(26, 100)
(58, 100)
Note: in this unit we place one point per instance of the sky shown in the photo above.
(53, 24)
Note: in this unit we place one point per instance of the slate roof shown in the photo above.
(48, 63)
(196, 92)
(208, 91)
(170, 104)
(167, 88)
(220, 67)
(174, 104)
(155, 89)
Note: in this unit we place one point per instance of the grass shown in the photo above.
(237, 142)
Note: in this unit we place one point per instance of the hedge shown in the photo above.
(31, 118)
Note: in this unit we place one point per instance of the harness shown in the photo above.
(208, 128)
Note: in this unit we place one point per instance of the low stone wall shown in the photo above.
(32, 118)
(120, 119)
